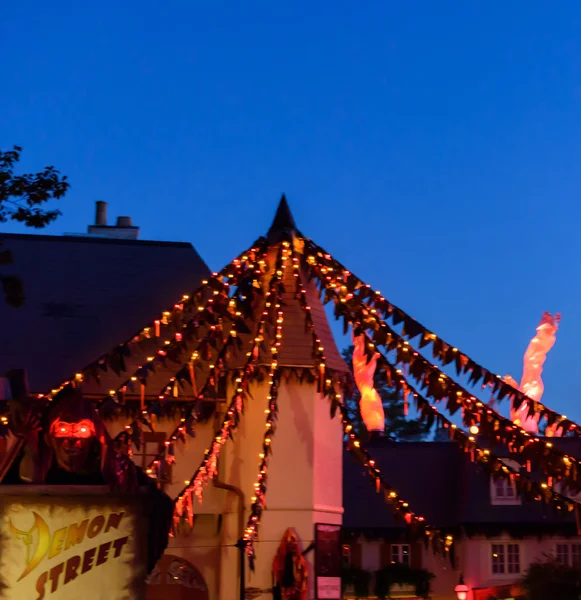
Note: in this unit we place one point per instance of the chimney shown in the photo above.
(123, 230)
(101, 214)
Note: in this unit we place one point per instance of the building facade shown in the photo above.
(84, 297)
(497, 534)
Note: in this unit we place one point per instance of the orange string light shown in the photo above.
(356, 447)
(208, 466)
(406, 353)
(379, 303)
(224, 286)
(187, 301)
(483, 455)
(259, 498)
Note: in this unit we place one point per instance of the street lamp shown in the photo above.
(461, 589)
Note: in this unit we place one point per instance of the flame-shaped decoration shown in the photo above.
(531, 383)
(370, 403)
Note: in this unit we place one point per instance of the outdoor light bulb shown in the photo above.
(474, 429)
(461, 591)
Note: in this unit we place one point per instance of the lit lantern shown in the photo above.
(461, 590)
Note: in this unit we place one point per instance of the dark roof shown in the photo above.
(84, 296)
(441, 484)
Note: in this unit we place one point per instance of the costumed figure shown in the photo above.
(531, 383)
(290, 569)
(74, 448)
(370, 404)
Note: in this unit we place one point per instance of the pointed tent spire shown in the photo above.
(283, 224)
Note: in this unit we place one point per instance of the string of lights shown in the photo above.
(208, 312)
(233, 312)
(259, 498)
(532, 490)
(557, 464)
(399, 505)
(169, 317)
(216, 367)
(208, 467)
(443, 351)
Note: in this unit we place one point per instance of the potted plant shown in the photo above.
(355, 582)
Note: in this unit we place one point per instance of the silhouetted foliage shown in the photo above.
(21, 199)
(552, 579)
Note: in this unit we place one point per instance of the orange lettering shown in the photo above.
(73, 564)
(114, 521)
(54, 576)
(40, 583)
(76, 534)
(103, 553)
(88, 560)
(96, 526)
(118, 545)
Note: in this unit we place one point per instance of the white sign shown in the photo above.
(329, 588)
(66, 547)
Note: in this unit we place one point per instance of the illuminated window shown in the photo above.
(152, 447)
(400, 553)
(505, 559)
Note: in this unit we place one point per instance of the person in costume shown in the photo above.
(74, 448)
(290, 569)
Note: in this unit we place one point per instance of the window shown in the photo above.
(562, 489)
(569, 554)
(505, 559)
(503, 490)
(153, 445)
(400, 553)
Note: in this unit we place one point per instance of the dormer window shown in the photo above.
(503, 490)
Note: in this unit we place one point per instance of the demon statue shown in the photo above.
(72, 447)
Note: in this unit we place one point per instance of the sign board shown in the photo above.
(70, 542)
(328, 562)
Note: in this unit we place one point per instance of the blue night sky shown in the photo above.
(434, 147)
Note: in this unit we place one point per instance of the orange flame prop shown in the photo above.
(370, 403)
(531, 383)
